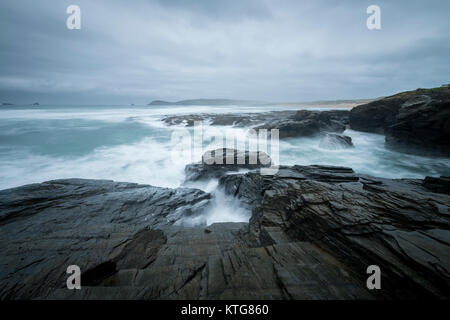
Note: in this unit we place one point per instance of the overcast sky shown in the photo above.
(138, 51)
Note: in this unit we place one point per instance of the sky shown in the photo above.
(139, 51)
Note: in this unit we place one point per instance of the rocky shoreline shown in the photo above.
(312, 234)
(416, 122)
(290, 123)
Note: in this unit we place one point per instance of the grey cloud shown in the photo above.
(265, 50)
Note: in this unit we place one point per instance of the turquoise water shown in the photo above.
(131, 144)
(69, 138)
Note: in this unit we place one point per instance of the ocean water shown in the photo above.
(131, 144)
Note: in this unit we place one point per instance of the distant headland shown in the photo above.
(205, 102)
(231, 102)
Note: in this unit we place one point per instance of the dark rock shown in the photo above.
(228, 119)
(97, 225)
(334, 141)
(376, 115)
(422, 125)
(414, 121)
(217, 162)
(306, 123)
(439, 185)
(231, 120)
(396, 224)
(140, 251)
(314, 231)
(341, 116)
(293, 128)
(290, 123)
(97, 274)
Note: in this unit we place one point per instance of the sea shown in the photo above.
(132, 144)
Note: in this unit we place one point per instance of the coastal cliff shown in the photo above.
(413, 121)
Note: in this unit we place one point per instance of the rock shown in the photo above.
(332, 141)
(228, 119)
(231, 120)
(218, 162)
(324, 116)
(306, 123)
(290, 123)
(101, 226)
(398, 225)
(422, 125)
(314, 231)
(376, 115)
(414, 121)
(439, 185)
(293, 128)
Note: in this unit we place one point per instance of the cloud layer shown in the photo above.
(263, 50)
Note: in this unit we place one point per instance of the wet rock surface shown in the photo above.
(314, 231)
(376, 115)
(101, 226)
(306, 123)
(303, 123)
(398, 225)
(219, 162)
(228, 119)
(414, 121)
(439, 185)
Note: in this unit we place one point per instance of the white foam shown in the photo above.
(146, 162)
(150, 160)
(222, 208)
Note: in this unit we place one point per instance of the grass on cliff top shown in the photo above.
(441, 89)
